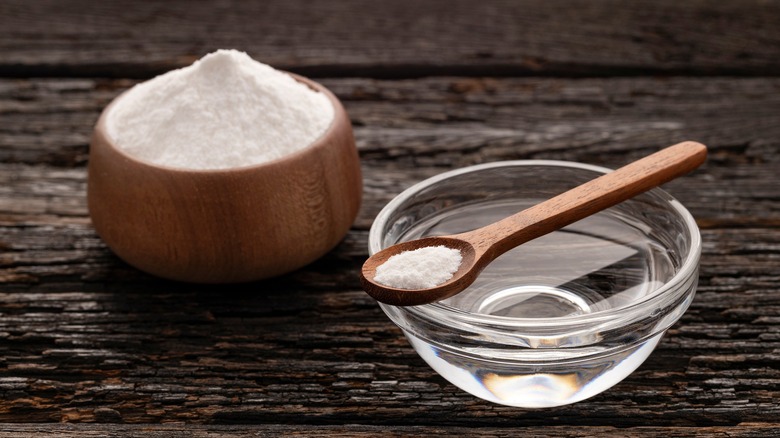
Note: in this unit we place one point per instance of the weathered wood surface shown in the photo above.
(400, 38)
(749, 430)
(407, 130)
(86, 338)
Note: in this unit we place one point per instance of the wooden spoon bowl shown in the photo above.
(231, 225)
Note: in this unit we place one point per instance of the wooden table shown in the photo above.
(430, 86)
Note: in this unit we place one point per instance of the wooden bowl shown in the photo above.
(227, 225)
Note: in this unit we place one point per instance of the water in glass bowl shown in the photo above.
(604, 261)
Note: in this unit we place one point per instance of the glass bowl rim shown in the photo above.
(443, 312)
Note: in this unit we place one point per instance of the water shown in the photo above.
(599, 263)
(603, 262)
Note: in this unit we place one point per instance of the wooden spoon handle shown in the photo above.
(587, 199)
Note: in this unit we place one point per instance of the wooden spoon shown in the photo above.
(483, 245)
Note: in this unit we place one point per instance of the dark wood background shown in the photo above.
(430, 86)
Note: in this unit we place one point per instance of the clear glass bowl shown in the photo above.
(558, 319)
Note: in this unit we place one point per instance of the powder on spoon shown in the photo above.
(226, 110)
(419, 269)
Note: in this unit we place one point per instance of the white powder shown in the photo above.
(419, 269)
(225, 110)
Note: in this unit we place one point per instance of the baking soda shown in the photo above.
(226, 110)
(419, 269)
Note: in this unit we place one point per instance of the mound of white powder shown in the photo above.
(419, 269)
(225, 110)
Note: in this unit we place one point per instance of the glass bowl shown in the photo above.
(558, 319)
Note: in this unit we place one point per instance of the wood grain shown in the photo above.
(86, 338)
(438, 123)
(405, 38)
(368, 431)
